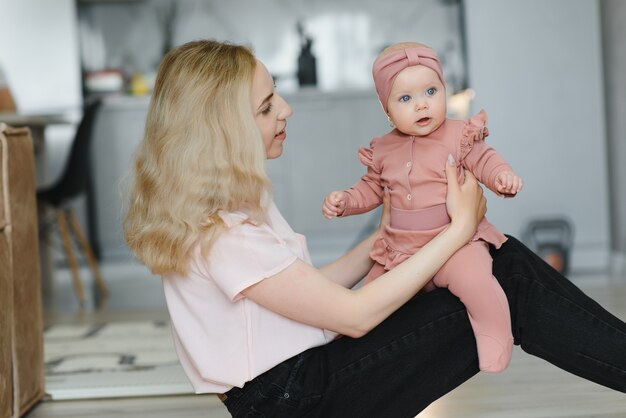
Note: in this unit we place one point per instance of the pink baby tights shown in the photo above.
(467, 274)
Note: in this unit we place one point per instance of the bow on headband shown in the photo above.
(386, 68)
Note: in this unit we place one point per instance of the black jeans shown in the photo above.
(427, 348)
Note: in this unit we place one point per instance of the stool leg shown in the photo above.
(91, 259)
(78, 286)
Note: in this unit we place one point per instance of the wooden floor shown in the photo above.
(530, 388)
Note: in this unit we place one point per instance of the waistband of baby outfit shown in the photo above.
(419, 219)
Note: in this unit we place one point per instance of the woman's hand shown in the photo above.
(465, 202)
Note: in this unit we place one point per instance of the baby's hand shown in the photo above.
(334, 204)
(508, 183)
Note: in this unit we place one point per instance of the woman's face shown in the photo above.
(270, 112)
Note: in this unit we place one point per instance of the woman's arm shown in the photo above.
(350, 268)
(305, 294)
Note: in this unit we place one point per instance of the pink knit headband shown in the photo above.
(386, 68)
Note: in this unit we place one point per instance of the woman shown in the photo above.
(254, 322)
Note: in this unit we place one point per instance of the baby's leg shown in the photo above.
(376, 271)
(468, 275)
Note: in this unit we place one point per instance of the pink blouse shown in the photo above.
(222, 338)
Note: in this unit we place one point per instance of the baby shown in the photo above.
(409, 161)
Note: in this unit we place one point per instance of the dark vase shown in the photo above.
(307, 71)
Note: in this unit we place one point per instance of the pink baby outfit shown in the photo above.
(413, 169)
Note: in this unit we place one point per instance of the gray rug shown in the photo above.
(114, 359)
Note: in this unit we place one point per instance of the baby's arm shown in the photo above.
(334, 204)
(484, 161)
(492, 170)
(362, 197)
(508, 183)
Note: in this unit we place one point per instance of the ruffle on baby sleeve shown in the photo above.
(475, 129)
(366, 157)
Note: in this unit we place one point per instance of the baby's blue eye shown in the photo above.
(431, 91)
(405, 98)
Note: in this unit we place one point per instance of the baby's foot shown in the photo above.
(493, 356)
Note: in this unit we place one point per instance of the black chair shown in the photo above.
(74, 181)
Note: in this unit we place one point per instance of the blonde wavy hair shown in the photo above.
(201, 153)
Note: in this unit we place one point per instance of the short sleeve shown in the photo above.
(246, 254)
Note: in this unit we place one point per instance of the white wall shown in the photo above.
(320, 156)
(536, 67)
(39, 53)
(614, 34)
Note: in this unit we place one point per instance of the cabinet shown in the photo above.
(320, 155)
(323, 137)
(117, 132)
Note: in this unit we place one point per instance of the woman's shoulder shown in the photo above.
(240, 226)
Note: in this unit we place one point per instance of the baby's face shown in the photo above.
(417, 102)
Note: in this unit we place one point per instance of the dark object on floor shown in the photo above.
(551, 239)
